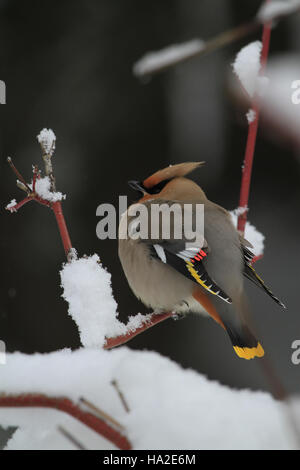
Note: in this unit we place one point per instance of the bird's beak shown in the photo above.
(137, 186)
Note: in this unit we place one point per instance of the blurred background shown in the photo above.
(67, 65)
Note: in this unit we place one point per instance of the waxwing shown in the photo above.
(179, 275)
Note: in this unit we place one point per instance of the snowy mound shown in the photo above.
(210, 416)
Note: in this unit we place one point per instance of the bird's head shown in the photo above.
(170, 183)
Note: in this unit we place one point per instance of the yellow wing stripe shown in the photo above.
(256, 275)
(196, 276)
(250, 353)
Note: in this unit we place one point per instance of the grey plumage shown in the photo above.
(204, 276)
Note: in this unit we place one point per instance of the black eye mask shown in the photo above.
(138, 186)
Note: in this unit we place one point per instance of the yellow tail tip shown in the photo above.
(249, 353)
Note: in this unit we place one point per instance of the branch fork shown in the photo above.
(32, 194)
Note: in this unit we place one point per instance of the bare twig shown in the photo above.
(102, 414)
(18, 174)
(121, 395)
(71, 438)
(221, 40)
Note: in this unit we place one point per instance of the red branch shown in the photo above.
(66, 405)
(252, 134)
(62, 226)
(154, 320)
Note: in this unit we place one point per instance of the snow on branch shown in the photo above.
(47, 140)
(87, 289)
(281, 102)
(43, 189)
(155, 62)
(211, 416)
(277, 9)
(164, 58)
(247, 66)
(10, 206)
(251, 233)
(251, 115)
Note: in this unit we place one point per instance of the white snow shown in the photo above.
(11, 204)
(152, 61)
(251, 233)
(247, 66)
(251, 116)
(239, 211)
(136, 321)
(281, 102)
(170, 408)
(87, 289)
(47, 140)
(42, 188)
(275, 9)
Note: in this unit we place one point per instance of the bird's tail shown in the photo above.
(244, 342)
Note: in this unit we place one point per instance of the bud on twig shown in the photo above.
(22, 186)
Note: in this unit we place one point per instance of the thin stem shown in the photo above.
(154, 320)
(121, 395)
(65, 404)
(102, 414)
(219, 41)
(18, 174)
(62, 226)
(35, 177)
(71, 438)
(251, 139)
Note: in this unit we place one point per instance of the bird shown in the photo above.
(206, 275)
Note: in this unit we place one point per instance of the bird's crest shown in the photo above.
(172, 171)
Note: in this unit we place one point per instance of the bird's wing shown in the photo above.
(182, 254)
(251, 274)
(189, 262)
